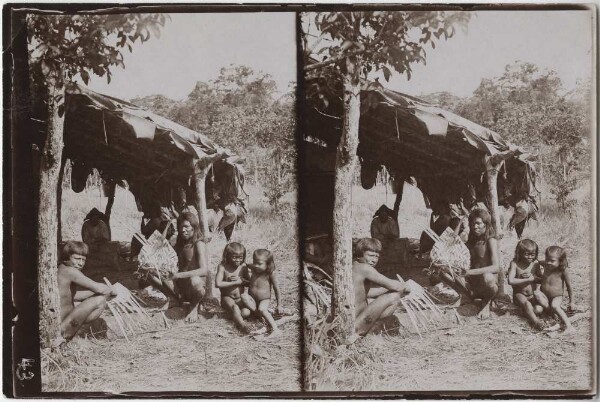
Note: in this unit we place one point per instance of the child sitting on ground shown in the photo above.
(92, 300)
(554, 279)
(261, 277)
(229, 281)
(364, 277)
(524, 274)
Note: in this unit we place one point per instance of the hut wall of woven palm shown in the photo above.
(153, 154)
(412, 138)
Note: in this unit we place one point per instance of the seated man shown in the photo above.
(92, 300)
(384, 225)
(95, 229)
(365, 278)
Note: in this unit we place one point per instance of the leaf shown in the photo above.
(386, 73)
(85, 76)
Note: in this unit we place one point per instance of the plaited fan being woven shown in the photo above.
(450, 251)
(157, 255)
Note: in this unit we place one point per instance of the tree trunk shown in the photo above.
(492, 182)
(200, 173)
(343, 290)
(47, 256)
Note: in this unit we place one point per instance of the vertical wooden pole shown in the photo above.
(111, 200)
(201, 169)
(492, 168)
(345, 163)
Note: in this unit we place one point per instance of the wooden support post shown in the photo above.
(201, 168)
(492, 166)
(112, 186)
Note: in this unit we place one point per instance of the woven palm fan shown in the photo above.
(450, 251)
(122, 305)
(157, 255)
(423, 313)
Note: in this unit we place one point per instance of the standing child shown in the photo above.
(554, 279)
(92, 300)
(523, 275)
(261, 277)
(229, 280)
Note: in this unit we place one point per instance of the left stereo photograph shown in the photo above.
(153, 174)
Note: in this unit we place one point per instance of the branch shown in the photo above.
(333, 60)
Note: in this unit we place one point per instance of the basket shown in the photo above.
(449, 251)
(157, 255)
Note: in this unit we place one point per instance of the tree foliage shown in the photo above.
(529, 107)
(83, 44)
(239, 111)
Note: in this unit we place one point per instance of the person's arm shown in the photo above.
(376, 292)
(275, 284)
(202, 270)
(378, 279)
(82, 295)
(512, 276)
(96, 287)
(567, 281)
(494, 267)
(220, 281)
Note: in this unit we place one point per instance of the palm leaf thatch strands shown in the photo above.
(417, 304)
(121, 306)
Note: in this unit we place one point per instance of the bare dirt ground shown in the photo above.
(207, 356)
(498, 354)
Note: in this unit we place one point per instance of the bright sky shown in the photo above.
(556, 40)
(193, 47)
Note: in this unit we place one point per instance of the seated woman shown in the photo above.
(384, 225)
(95, 228)
(481, 280)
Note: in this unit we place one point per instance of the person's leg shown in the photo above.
(457, 283)
(165, 286)
(231, 306)
(249, 304)
(521, 300)
(196, 289)
(384, 304)
(85, 312)
(487, 290)
(541, 299)
(263, 308)
(555, 305)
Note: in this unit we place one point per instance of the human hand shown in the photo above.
(279, 310)
(106, 290)
(233, 278)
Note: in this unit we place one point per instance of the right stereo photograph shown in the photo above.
(447, 171)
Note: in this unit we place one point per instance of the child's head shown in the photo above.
(74, 253)
(367, 251)
(480, 225)
(234, 254)
(188, 227)
(526, 251)
(556, 257)
(263, 262)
